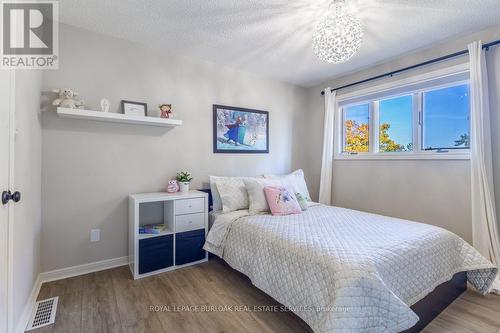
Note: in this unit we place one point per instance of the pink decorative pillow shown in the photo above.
(281, 201)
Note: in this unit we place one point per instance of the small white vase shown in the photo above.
(184, 187)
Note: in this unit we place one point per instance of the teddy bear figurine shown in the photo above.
(67, 99)
(165, 110)
(172, 186)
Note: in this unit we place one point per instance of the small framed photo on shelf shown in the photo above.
(134, 108)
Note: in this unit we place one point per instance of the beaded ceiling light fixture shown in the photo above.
(338, 36)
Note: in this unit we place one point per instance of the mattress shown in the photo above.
(342, 270)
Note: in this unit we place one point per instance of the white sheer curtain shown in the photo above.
(325, 185)
(484, 224)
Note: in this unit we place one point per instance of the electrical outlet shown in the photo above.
(95, 235)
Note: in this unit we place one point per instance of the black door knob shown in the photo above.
(7, 196)
(16, 196)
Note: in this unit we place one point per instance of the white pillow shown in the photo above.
(216, 203)
(216, 200)
(256, 196)
(296, 181)
(233, 194)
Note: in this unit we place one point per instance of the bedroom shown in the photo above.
(132, 93)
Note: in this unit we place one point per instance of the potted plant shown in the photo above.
(184, 178)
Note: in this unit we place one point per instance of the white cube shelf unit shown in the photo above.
(180, 244)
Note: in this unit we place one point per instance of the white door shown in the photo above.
(6, 137)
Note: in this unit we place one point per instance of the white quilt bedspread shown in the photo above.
(342, 270)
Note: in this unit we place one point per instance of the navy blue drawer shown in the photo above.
(189, 246)
(156, 253)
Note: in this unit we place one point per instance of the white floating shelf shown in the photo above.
(116, 117)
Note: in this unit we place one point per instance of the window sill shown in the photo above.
(404, 156)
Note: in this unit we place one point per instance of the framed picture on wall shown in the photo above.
(134, 108)
(239, 130)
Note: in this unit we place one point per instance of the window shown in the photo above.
(395, 124)
(446, 118)
(356, 128)
(429, 119)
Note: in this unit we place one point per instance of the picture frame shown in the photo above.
(239, 130)
(134, 108)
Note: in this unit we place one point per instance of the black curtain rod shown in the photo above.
(453, 55)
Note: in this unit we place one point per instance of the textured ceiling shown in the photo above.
(273, 37)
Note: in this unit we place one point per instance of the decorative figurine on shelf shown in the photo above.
(172, 186)
(184, 179)
(105, 105)
(67, 99)
(165, 110)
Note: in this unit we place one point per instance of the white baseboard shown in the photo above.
(28, 307)
(64, 273)
(68, 272)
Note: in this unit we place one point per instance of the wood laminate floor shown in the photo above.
(179, 301)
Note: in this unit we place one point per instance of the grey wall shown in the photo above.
(28, 178)
(89, 168)
(435, 192)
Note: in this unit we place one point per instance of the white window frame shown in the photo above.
(342, 116)
(417, 128)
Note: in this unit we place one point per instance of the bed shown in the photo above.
(342, 270)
